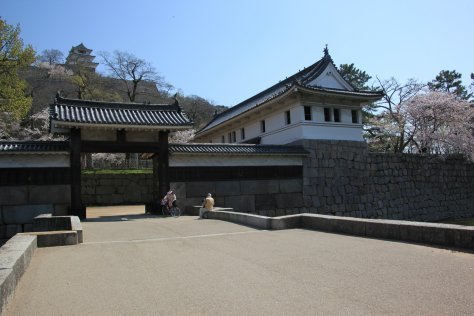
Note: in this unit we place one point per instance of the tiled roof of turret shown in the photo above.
(68, 112)
(300, 79)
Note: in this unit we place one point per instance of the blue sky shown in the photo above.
(227, 51)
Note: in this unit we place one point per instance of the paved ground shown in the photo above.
(167, 266)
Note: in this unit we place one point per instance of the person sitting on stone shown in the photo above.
(207, 205)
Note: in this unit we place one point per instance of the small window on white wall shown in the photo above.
(288, 117)
(327, 114)
(355, 116)
(234, 137)
(337, 115)
(229, 137)
(223, 139)
(307, 113)
(262, 126)
(242, 133)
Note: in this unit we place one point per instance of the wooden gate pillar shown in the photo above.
(163, 164)
(77, 208)
(161, 183)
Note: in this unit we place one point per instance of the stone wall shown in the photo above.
(116, 189)
(266, 197)
(342, 178)
(19, 204)
(339, 178)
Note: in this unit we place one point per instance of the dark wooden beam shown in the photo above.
(121, 136)
(163, 164)
(90, 146)
(77, 208)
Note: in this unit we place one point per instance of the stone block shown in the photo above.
(225, 188)
(286, 222)
(464, 237)
(8, 284)
(16, 254)
(132, 194)
(291, 186)
(12, 195)
(240, 203)
(60, 209)
(382, 229)
(200, 189)
(57, 238)
(289, 200)
(44, 194)
(256, 221)
(24, 214)
(13, 229)
(105, 190)
(317, 222)
(265, 202)
(259, 187)
(350, 226)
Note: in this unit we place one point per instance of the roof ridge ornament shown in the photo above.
(326, 54)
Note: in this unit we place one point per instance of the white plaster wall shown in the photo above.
(98, 134)
(335, 132)
(34, 160)
(139, 136)
(283, 136)
(233, 160)
(277, 132)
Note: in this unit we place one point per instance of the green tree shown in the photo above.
(450, 82)
(356, 77)
(13, 56)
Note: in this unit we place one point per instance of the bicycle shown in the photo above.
(173, 210)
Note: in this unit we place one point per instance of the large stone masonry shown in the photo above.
(343, 178)
(116, 189)
(264, 197)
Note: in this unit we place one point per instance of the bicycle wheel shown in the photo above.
(175, 211)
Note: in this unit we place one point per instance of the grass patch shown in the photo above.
(116, 171)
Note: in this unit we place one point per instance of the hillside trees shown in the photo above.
(14, 55)
(130, 70)
(51, 56)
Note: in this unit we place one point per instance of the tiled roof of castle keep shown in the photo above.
(73, 112)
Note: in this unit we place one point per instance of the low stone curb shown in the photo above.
(49, 223)
(418, 232)
(15, 256)
(16, 253)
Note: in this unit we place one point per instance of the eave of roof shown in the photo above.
(99, 114)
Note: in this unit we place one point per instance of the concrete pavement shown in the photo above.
(185, 266)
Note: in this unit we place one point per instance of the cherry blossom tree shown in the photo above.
(387, 128)
(429, 122)
(440, 123)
